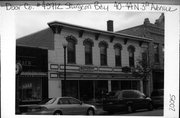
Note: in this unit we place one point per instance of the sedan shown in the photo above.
(61, 106)
(126, 100)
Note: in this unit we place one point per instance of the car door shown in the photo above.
(77, 107)
(140, 100)
(64, 106)
(132, 98)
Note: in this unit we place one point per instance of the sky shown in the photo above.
(30, 22)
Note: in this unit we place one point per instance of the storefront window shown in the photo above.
(101, 87)
(71, 88)
(31, 89)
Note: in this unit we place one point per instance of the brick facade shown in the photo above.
(156, 33)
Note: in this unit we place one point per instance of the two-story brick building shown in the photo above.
(156, 48)
(97, 61)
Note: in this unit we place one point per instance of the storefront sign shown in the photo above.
(32, 59)
(54, 66)
(87, 68)
(105, 69)
(70, 67)
(117, 69)
(54, 75)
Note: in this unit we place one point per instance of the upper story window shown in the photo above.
(145, 57)
(71, 49)
(88, 51)
(118, 49)
(156, 53)
(163, 51)
(131, 51)
(103, 53)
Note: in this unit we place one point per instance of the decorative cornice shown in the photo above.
(88, 40)
(130, 47)
(71, 37)
(118, 45)
(103, 43)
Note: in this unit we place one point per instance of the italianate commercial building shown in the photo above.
(85, 63)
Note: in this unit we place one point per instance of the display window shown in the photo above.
(31, 89)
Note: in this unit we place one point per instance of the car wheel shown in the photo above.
(150, 107)
(130, 109)
(90, 111)
(58, 113)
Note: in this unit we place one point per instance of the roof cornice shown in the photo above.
(56, 24)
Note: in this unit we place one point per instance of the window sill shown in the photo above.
(103, 65)
(118, 66)
(88, 65)
(71, 64)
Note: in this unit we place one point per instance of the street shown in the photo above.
(155, 112)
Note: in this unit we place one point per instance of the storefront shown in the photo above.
(93, 84)
(33, 80)
(88, 90)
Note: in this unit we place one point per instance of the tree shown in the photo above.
(143, 71)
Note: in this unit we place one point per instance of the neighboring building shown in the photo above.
(156, 49)
(32, 83)
(97, 61)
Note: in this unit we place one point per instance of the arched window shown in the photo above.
(71, 49)
(88, 51)
(131, 51)
(118, 49)
(156, 53)
(103, 52)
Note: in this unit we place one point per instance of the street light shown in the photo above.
(64, 43)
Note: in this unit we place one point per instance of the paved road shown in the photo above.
(155, 112)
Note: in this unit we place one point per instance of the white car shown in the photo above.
(62, 106)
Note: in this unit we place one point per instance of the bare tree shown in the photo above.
(142, 71)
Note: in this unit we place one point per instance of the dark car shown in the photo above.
(126, 100)
(61, 106)
(157, 97)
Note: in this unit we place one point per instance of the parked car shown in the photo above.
(157, 97)
(61, 106)
(126, 100)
